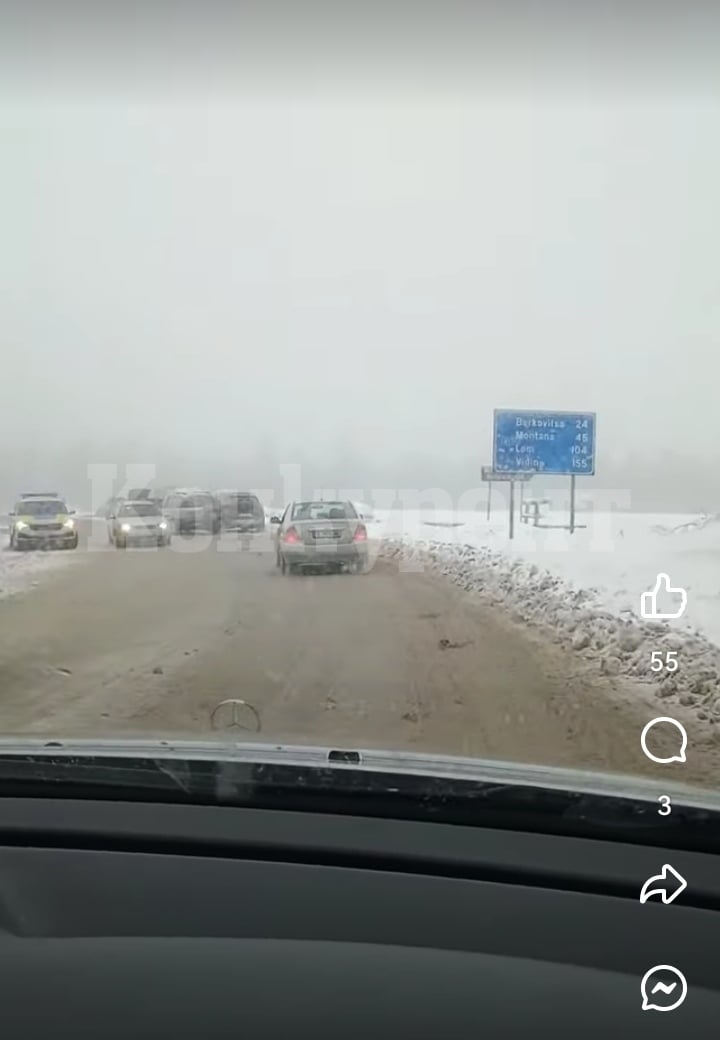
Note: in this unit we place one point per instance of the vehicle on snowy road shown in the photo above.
(240, 511)
(42, 520)
(191, 510)
(317, 534)
(138, 523)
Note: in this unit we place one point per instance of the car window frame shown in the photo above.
(346, 505)
(58, 512)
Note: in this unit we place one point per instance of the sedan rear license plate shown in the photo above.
(324, 535)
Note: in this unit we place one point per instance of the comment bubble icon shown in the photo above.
(678, 754)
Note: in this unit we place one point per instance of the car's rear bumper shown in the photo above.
(312, 556)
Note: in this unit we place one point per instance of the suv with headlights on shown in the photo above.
(42, 520)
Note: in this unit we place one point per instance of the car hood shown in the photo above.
(439, 767)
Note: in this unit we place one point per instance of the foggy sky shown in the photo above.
(313, 238)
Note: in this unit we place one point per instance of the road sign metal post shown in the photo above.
(490, 476)
(572, 504)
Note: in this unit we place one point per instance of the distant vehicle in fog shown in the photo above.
(190, 510)
(42, 520)
(240, 510)
(138, 522)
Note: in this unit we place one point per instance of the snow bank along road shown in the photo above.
(147, 642)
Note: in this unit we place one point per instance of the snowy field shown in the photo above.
(586, 588)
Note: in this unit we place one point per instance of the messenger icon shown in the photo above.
(679, 755)
(663, 988)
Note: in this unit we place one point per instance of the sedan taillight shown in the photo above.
(360, 533)
(291, 536)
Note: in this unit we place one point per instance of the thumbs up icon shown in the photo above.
(649, 600)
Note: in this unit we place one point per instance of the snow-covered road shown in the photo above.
(582, 590)
(21, 571)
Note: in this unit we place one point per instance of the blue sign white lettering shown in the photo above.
(558, 443)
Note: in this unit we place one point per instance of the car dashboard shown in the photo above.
(128, 918)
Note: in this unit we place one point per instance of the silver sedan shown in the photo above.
(138, 523)
(326, 535)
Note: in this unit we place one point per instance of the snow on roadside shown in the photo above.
(611, 637)
(21, 571)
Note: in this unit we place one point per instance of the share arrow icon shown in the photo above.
(666, 886)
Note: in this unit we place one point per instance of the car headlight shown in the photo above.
(20, 525)
(69, 522)
(125, 527)
(162, 525)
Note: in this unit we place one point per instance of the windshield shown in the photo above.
(322, 511)
(411, 320)
(139, 509)
(40, 507)
(238, 504)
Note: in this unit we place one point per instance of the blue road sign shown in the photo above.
(559, 443)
